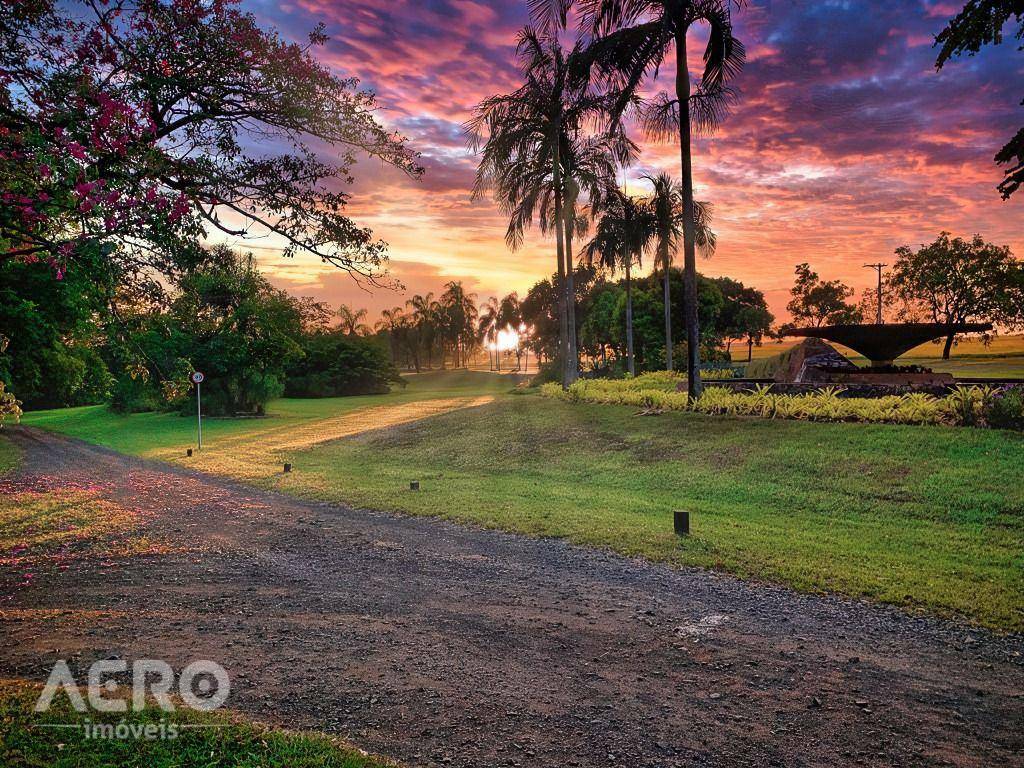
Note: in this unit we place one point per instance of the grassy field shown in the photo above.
(1003, 358)
(216, 739)
(924, 517)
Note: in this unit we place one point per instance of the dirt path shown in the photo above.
(441, 645)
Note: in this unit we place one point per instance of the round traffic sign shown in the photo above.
(197, 377)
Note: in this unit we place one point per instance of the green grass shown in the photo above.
(923, 517)
(140, 433)
(222, 740)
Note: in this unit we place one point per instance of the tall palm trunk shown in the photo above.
(630, 364)
(689, 256)
(570, 303)
(668, 307)
(563, 314)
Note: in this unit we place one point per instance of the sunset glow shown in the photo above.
(845, 143)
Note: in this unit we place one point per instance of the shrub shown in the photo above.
(10, 406)
(335, 365)
(1005, 409)
(963, 406)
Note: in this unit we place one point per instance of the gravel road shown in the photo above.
(438, 644)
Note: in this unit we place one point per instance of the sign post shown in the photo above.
(197, 379)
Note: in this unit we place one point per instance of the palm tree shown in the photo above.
(460, 314)
(666, 206)
(522, 137)
(633, 38)
(352, 321)
(624, 232)
(391, 321)
(488, 325)
(510, 315)
(421, 318)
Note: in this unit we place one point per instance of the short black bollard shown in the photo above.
(414, 485)
(287, 467)
(682, 522)
(188, 452)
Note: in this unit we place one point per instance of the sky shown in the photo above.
(845, 143)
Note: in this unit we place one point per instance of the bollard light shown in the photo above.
(414, 485)
(682, 522)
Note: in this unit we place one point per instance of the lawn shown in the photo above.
(924, 517)
(218, 739)
(1003, 358)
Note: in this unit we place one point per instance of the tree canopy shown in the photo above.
(136, 125)
(981, 23)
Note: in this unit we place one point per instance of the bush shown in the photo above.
(10, 406)
(549, 373)
(961, 407)
(335, 365)
(1005, 409)
(134, 395)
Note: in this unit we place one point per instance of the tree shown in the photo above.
(421, 322)
(130, 123)
(981, 23)
(744, 315)
(666, 205)
(820, 302)
(56, 331)
(229, 322)
(540, 309)
(953, 281)
(391, 321)
(597, 331)
(10, 406)
(336, 364)
(629, 55)
(488, 325)
(351, 321)
(624, 231)
(525, 139)
(459, 317)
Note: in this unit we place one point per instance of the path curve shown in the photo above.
(439, 644)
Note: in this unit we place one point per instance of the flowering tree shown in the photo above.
(138, 125)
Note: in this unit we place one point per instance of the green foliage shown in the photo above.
(1005, 409)
(821, 302)
(336, 364)
(981, 23)
(10, 406)
(51, 357)
(953, 280)
(964, 406)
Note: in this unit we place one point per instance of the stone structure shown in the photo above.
(883, 343)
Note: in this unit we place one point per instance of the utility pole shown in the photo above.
(879, 267)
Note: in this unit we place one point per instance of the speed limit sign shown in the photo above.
(197, 377)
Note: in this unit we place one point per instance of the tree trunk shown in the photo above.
(949, 345)
(689, 255)
(668, 307)
(563, 316)
(750, 350)
(630, 365)
(570, 303)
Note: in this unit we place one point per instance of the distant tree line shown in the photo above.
(730, 313)
(84, 340)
